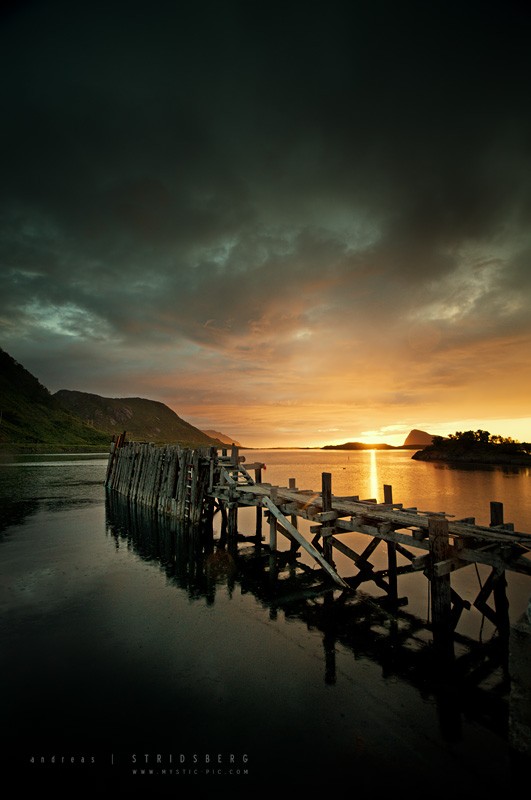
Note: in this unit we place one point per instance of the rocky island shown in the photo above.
(476, 447)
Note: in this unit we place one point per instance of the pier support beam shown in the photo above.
(294, 545)
(326, 493)
(441, 591)
(273, 522)
(259, 512)
(232, 519)
(391, 554)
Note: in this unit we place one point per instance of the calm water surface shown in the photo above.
(124, 643)
(460, 491)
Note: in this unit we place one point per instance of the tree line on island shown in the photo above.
(476, 447)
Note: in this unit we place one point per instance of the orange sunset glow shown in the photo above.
(282, 244)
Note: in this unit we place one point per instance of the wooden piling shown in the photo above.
(496, 514)
(232, 519)
(259, 513)
(326, 493)
(294, 545)
(441, 592)
(391, 554)
(273, 521)
(258, 527)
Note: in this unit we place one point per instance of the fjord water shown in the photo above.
(122, 648)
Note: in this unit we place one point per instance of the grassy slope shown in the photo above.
(30, 415)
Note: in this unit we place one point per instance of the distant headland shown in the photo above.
(476, 447)
(469, 447)
(413, 441)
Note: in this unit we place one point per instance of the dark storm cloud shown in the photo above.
(205, 172)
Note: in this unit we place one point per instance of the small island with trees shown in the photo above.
(476, 447)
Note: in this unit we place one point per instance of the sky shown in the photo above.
(297, 223)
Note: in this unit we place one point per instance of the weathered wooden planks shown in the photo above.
(169, 479)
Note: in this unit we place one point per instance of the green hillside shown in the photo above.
(30, 416)
(144, 420)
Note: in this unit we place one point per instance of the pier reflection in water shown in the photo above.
(475, 685)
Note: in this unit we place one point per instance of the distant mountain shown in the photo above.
(223, 438)
(30, 415)
(358, 446)
(416, 438)
(143, 420)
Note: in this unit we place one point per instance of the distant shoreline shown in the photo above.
(362, 446)
(50, 449)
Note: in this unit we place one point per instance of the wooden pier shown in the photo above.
(192, 485)
(186, 488)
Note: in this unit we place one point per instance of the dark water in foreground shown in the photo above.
(125, 645)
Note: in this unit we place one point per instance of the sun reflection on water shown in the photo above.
(374, 482)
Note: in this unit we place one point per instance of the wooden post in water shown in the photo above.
(441, 591)
(234, 461)
(391, 554)
(496, 514)
(232, 520)
(326, 494)
(259, 512)
(232, 515)
(294, 545)
(114, 464)
(110, 461)
(212, 469)
(273, 521)
(273, 566)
